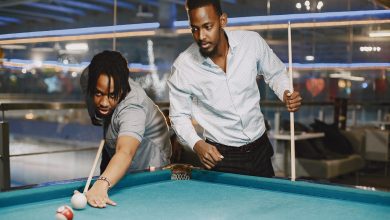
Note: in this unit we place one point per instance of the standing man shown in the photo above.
(135, 131)
(214, 81)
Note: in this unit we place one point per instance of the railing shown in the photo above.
(5, 182)
(276, 106)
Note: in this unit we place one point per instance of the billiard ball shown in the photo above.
(64, 213)
(78, 200)
(152, 169)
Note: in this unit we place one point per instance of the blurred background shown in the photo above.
(340, 55)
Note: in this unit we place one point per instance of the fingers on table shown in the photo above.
(100, 202)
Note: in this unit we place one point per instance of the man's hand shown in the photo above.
(292, 100)
(207, 153)
(97, 196)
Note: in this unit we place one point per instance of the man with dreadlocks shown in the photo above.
(135, 130)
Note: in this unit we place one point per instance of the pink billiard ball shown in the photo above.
(64, 213)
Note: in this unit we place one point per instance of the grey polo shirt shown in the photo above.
(137, 116)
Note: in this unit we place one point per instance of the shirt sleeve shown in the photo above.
(131, 121)
(272, 68)
(180, 109)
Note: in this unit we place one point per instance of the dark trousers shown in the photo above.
(251, 159)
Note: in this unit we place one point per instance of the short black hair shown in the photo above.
(114, 65)
(193, 4)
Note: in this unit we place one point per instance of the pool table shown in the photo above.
(207, 195)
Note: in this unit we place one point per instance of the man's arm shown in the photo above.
(180, 109)
(272, 68)
(180, 115)
(126, 148)
(276, 76)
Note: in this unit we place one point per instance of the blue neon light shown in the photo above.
(83, 5)
(56, 8)
(338, 65)
(120, 4)
(230, 1)
(40, 15)
(81, 31)
(152, 3)
(8, 19)
(308, 17)
(295, 65)
(273, 19)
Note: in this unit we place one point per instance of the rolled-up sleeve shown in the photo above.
(272, 68)
(180, 108)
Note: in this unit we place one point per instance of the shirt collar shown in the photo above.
(232, 40)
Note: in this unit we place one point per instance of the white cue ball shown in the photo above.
(78, 200)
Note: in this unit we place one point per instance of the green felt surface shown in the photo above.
(208, 196)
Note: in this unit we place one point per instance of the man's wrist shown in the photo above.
(193, 141)
(198, 144)
(106, 180)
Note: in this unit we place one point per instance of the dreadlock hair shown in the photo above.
(193, 4)
(114, 65)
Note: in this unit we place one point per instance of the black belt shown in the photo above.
(244, 148)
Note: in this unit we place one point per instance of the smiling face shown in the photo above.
(104, 97)
(206, 28)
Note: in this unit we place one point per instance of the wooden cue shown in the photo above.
(292, 130)
(94, 166)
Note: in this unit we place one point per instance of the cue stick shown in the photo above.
(292, 130)
(94, 165)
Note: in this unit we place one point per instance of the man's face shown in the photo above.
(206, 26)
(104, 99)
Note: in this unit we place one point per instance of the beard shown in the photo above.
(205, 52)
(103, 116)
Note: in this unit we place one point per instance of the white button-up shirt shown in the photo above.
(226, 105)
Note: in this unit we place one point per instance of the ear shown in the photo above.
(223, 20)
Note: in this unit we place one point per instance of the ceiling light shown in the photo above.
(13, 47)
(370, 49)
(307, 3)
(309, 58)
(29, 116)
(346, 76)
(77, 47)
(320, 4)
(42, 49)
(385, 33)
(298, 5)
